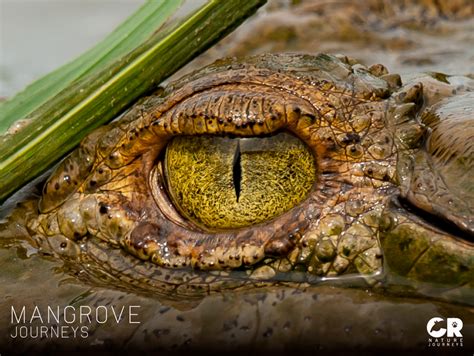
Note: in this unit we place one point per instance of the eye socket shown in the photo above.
(226, 183)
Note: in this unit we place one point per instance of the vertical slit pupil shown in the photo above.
(237, 171)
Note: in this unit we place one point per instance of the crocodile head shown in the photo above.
(269, 169)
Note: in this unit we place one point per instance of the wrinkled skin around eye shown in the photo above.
(227, 183)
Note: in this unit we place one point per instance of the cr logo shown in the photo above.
(453, 327)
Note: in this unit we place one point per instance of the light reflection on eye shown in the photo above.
(224, 183)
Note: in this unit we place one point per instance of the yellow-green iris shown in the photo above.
(224, 183)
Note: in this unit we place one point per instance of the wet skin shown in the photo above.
(389, 193)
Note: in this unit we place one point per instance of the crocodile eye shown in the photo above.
(223, 183)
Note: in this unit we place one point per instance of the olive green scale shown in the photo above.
(227, 183)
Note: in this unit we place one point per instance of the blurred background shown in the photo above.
(37, 36)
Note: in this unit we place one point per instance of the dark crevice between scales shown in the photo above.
(437, 221)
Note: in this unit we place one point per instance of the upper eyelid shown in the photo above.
(232, 110)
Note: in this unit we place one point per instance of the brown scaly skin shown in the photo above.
(369, 143)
